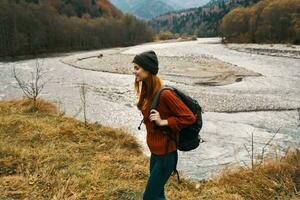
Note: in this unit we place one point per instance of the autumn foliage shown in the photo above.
(269, 21)
(42, 26)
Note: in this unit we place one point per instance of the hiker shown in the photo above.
(171, 115)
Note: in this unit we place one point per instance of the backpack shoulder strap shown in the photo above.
(155, 101)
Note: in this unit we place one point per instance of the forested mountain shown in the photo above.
(269, 21)
(148, 9)
(145, 9)
(124, 5)
(203, 21)
(43, 26)
(94, 8)
(180, 4)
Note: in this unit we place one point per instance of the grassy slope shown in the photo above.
(46, 155)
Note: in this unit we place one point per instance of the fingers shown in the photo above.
(154, 115)
(153, 111)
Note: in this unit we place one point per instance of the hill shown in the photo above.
(187, 3)
(148, 9)
(268, 21)
(144, 9)
(47, 155)
(202, 22)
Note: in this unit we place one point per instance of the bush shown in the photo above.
(165, 35)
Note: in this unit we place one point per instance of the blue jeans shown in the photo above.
(161, 168)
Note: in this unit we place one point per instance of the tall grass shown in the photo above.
(46, 155)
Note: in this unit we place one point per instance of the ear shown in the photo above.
(147, 75)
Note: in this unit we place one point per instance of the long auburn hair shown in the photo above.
(146, 90)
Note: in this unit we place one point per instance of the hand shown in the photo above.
(155, 116)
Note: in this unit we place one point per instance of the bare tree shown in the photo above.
(31, 88)
(263, 151)
(83, 92)
(298, 109)
(266, 145)
(251, 152)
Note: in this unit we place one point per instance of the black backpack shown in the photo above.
(189, 137)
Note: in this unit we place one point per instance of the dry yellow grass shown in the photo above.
(46, 155)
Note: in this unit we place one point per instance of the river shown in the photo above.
(258, 104)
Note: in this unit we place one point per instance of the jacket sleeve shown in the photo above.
(181, 115)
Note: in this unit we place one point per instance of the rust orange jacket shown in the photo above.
(170, 108)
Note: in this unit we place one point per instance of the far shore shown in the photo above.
(283, 50)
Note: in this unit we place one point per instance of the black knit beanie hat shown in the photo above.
(148, 61)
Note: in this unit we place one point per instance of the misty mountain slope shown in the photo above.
(145, 9)
(187, 3)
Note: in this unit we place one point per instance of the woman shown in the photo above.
(171, 115)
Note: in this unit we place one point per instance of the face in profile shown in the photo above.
(140, 73)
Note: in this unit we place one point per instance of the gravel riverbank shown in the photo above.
(240, 92)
